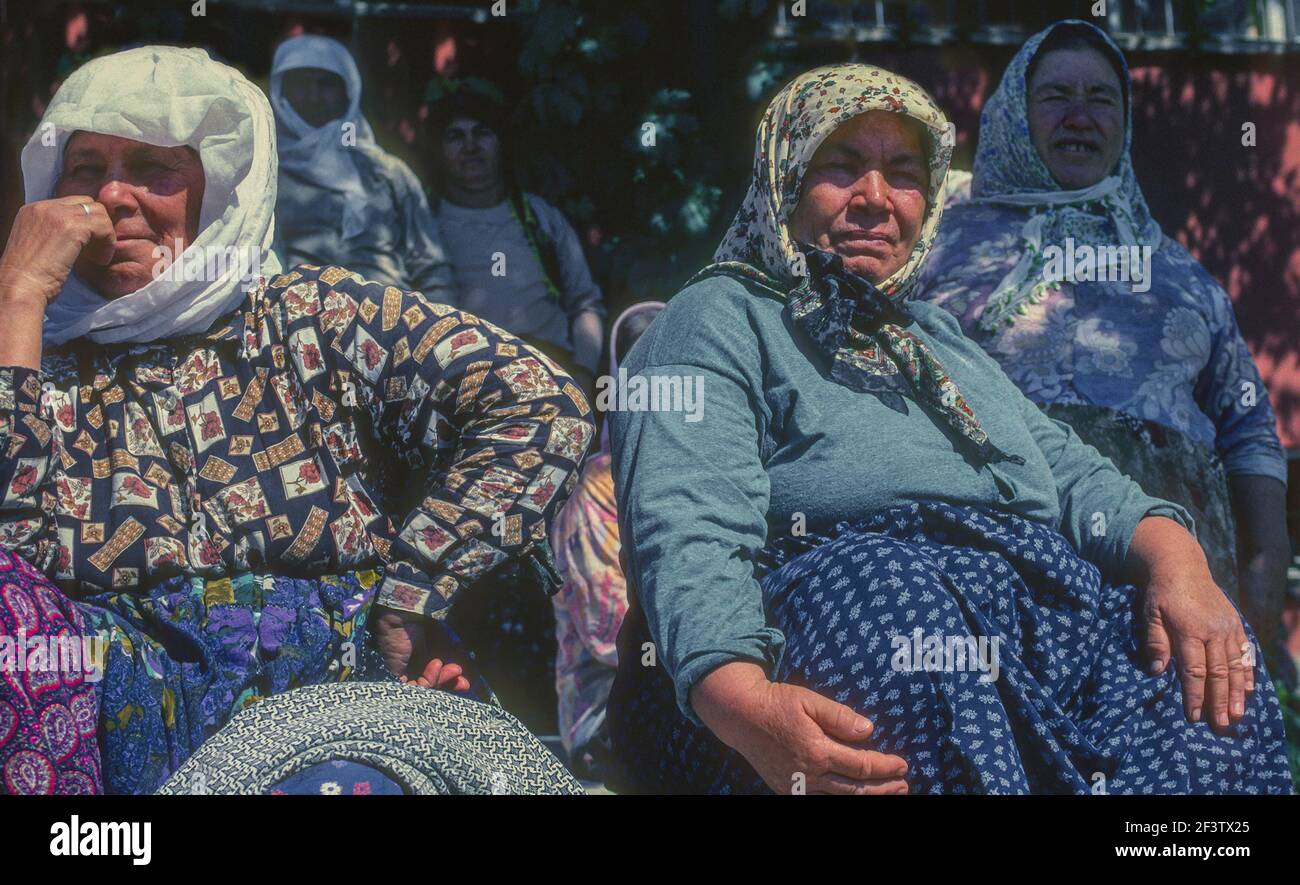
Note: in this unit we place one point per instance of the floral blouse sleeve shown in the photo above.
(495, 429)
(1231, 392)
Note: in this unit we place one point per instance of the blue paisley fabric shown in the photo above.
(1069, 707)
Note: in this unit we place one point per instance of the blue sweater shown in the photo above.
(775, 447)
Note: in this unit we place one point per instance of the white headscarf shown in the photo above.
(319, 154)
(164, 96)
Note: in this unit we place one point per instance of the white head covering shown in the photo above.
(319, 154)
(165, 96)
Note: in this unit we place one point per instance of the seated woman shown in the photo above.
(226, 479)
(872, 565)
(1141, 355)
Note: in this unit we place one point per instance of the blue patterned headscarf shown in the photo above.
(1009, 172)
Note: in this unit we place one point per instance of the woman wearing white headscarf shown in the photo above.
(209, 473)
(342, 197)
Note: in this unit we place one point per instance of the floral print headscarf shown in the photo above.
(860, 326)
(1009, 171)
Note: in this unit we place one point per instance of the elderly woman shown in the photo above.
(1057, 269)
(228, 483)
(873, 566)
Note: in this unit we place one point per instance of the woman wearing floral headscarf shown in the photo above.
(1057, 269)
(872, 565)
(224, 474)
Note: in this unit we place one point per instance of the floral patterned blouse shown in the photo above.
(330, 425)
(1173, 355)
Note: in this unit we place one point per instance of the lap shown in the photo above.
(991, 657)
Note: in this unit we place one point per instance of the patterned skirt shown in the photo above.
(988, 654)
(132, 684)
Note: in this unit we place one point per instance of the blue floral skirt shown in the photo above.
(990, 657)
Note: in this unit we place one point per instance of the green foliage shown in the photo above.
(606, 130)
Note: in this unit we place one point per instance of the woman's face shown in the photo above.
(316, 94)
(153, 196)
(864, 194)
(1076, 116)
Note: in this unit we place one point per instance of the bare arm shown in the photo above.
(588, 339)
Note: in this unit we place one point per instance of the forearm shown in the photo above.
(20, 331)
(1162, 547)
(1263, 549)
(721, 697)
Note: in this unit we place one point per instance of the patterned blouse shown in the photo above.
(330, 425)
(1174, 355)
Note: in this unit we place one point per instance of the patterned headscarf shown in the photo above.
(858, 325)
(1009, 172)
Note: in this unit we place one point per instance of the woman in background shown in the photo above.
(343, 199)
(1147, 364)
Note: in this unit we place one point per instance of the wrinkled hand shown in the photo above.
(47, 238)
(790, 734)
(407, 643)
(1189, 618)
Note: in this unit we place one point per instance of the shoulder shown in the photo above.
(552, 220)
(936, 320)
(715, 322)
(946, 332)
(307, 290)
(1181, 269)
(389, 167)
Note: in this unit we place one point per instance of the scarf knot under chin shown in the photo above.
(863, 333)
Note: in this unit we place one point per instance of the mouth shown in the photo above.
(863, 241)
(1077, 147)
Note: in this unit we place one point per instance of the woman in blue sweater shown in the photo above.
(869, 564)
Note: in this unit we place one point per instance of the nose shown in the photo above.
(1077, 116)
(871, 192)
(118, 196)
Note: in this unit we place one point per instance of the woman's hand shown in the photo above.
(46, 239)
(1187, 616)
(407, 643)
(793, 736)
